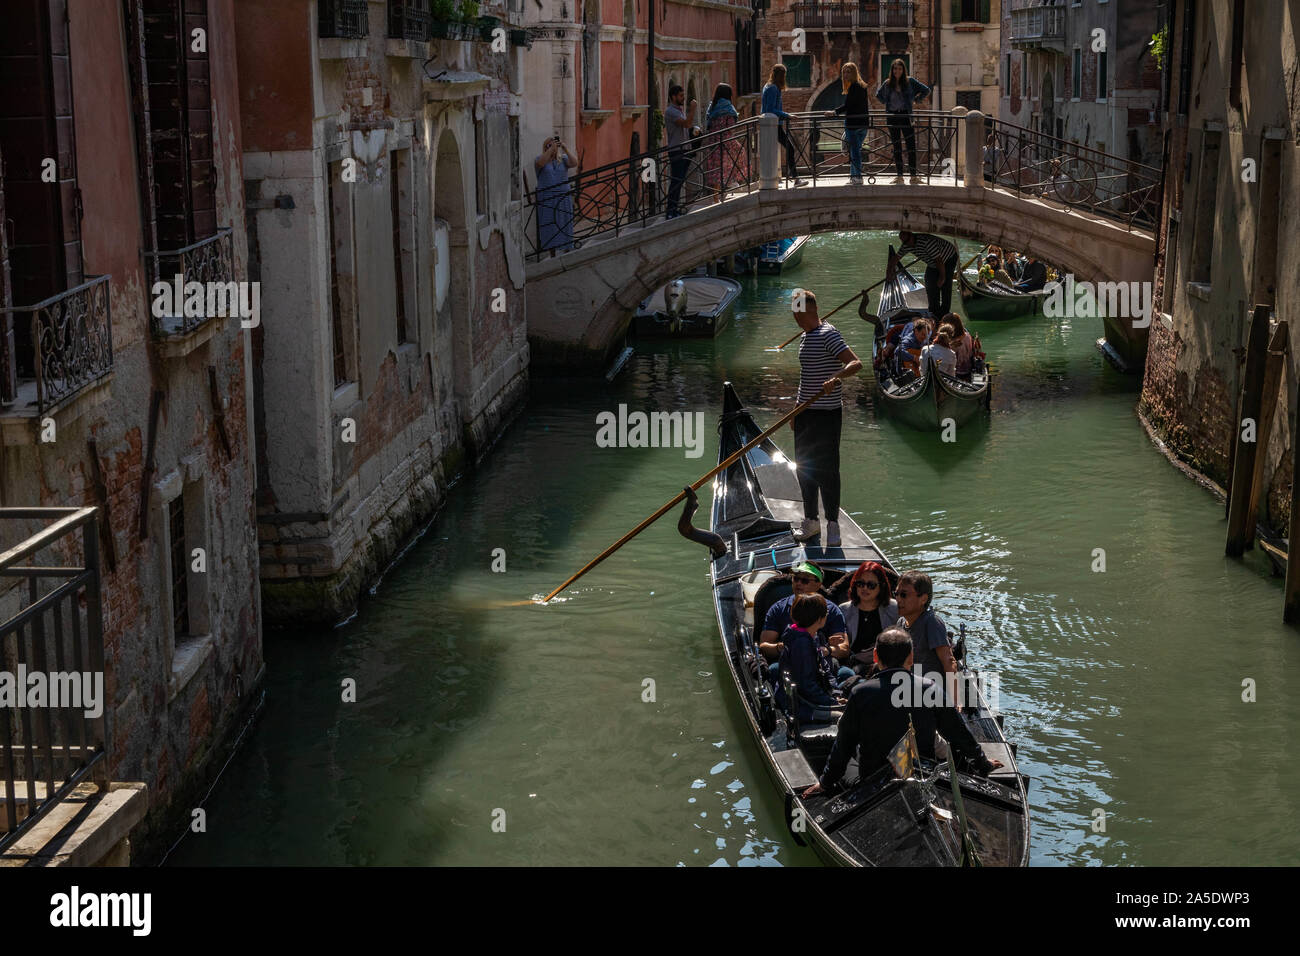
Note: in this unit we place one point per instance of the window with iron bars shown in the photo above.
(408, 19)
(344, 18)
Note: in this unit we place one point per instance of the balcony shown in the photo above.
(53, 627)
(207, 261)
(883, 15)
(68, 346)
(1037, 27)
(345, 19)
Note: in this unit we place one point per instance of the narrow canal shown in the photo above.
(1123, 688)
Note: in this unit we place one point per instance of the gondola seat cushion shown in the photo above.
(816, 741)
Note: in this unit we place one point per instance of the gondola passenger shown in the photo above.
(1034, 276)
(963, 343)
(800, 659)
(916, 335)
(939, 350)
(806, 578)
(880, 710)
(929, 633)
(869, 610)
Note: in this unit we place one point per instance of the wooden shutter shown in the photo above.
(956, 11)
(984, 11)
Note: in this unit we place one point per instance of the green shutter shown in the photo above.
(984, 11)
(956, 11)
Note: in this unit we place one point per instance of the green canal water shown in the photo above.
(1123, 688)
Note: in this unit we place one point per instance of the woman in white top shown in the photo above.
(940, 349)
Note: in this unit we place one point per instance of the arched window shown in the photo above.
(591, 54)
(629, 52)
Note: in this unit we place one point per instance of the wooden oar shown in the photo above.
(782, 346)
(678, 498)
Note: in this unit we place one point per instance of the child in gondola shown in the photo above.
(800, 658)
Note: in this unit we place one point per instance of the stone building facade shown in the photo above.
(593, 56)
(870, 34)
(1232, 163)
(1083, 71)
(382, 171)
(120, 136)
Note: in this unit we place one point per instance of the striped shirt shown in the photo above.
(818, 361)
(931, 249)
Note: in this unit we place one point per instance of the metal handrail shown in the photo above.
(210, 259)
(59, 631)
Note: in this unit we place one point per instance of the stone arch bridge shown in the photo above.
(580, 302)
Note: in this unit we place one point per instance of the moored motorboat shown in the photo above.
(688, 306)
(781, 255)
(932, 398)
(883, 819)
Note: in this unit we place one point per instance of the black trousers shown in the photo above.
(678, 163)
(817, 454)
(938, 288)
(783, 137)
(900, 128)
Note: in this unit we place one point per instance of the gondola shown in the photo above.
(928, 400)
(997, 302)
(691, 306)
(881, 820)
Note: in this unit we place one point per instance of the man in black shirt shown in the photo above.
(1034, 277)
(940, 258)
(878, 712)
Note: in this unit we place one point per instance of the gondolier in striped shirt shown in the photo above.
(940, 258)
(824, 361)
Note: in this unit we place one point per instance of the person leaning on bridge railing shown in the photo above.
(554, 201)
(897, 94)
(677, 123)
(772, 104)
(856, 110)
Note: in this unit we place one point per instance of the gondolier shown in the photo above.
(940, 258)
(824, 361)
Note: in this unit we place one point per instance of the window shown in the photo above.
(969, 99)
(970, 11)
(748, 59)
(591, 55)
(1101, 77)
(44, 220)
(1207, 194)
(798, 70)
(1024, 74)
(342, 301)
(179, 560)
(629, 53)
(1006, 75)
(1076, 75)
(178, 102)
(399, 202)
(480, 168)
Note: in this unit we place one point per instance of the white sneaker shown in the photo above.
(810, 528)
(832, 534)
(855, 180)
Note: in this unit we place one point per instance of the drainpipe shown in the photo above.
(652, 88)
(936, 68)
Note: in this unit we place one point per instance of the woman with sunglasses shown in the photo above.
(869, 610)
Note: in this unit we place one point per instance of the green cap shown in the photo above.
(807, 568)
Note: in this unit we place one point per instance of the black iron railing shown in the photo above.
(820, 150)
(717, 167)
(409, 19)
(54, 628)
(1035, 164)
(69, 344)
(885, 14)
(714, 167)
(209, 260)
(344, 18)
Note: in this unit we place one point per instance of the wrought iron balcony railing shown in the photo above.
(408, 19)
(1035, 26)
(70, 343)
(48, 747)
(344, 18)
(209, 260)
(864, 15)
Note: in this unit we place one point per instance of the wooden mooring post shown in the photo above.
(1250, 435)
